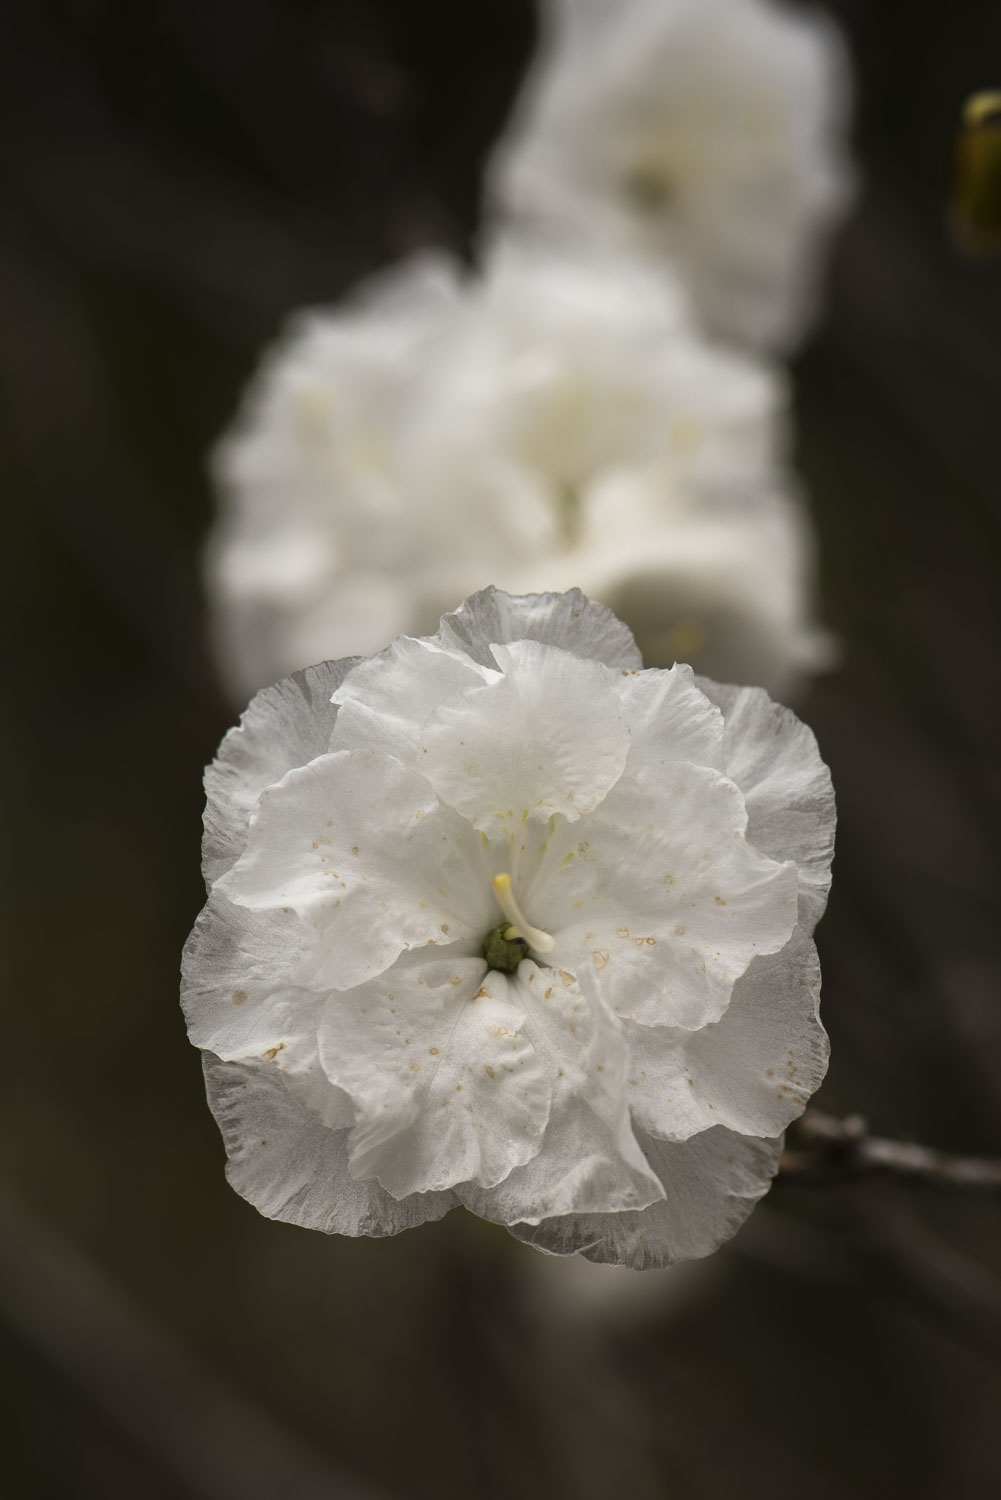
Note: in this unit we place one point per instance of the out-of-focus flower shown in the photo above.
(706, 132)
(727, 590)
(498, 919)
(318, 551)
(558, 421)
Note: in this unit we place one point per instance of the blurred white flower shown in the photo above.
(555, 422)
(709, 133)
(498, 919)
(317, 551)
(727, 590)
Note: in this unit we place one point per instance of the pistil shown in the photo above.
(520, 929)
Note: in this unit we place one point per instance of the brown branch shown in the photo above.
(840, 1150)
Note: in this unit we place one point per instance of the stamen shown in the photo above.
(542, 942)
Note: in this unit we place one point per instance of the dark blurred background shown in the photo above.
(174, 180)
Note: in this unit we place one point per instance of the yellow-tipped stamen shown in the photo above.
(541, 941)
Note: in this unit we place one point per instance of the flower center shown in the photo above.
(504, 946)
(501, 952)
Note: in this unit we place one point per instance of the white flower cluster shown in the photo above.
(557, 418)
(555, 421)
(498, 919)
(705, 133)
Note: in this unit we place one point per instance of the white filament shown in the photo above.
(542, 942)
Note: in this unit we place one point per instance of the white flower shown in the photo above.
(706, 132)
(557, 421)
(316, 534)
(642, 857)
(726, 590)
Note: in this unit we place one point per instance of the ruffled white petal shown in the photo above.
(680, 901)
(240, 1001)
(570, 621)
(590, 1160)
(774, 759)
(546, 737)
(670, 719)
(753, 1070)
(711, 1183)
(446, 1087)
(358, 847)
(285, 726)
(236, 990)
(291, 1166)
(385, 702)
